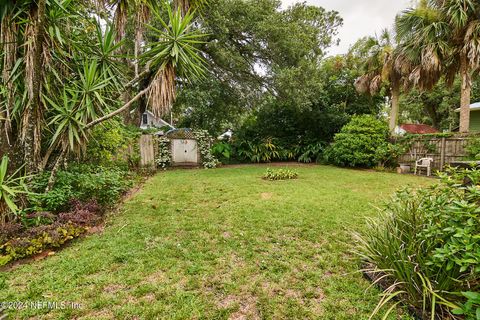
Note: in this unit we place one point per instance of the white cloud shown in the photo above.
(360, 17)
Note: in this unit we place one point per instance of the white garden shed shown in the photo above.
(184, 147)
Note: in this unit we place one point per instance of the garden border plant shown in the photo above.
(280, 174)
(425, 250)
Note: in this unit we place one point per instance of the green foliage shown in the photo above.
(204, 142)
(176, 43)
(470, 309)
(113, 143)
(311, 153)
(265, 151)
(357, 143)
(54, 236)
(222, 151)
(164, 153)
(280, 174)
(11, 187)
(426, 244)
(388, 153)
(82, 182)
(473, 149)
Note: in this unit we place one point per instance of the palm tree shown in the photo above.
(380, 69)
(442, 38)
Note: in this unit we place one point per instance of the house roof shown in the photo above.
(418, 128)
(473, 107)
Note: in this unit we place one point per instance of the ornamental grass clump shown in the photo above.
(424, 249)
(280, 174)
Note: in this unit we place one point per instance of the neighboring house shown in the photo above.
(474, 116)
(414, 129)
(149, 120)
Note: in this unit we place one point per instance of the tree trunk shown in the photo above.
(56, 166)
(431, 111)
(395, 106)
(8, 37)
(465, 95)
(183, 5)
(33, 113)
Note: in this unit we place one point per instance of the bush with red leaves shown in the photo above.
(81, 214)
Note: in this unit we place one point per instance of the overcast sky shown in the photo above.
(360, 17)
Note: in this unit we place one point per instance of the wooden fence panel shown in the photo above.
(443, 151)
(147, 151)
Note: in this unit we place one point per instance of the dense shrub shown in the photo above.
(82, 182)
(357, 143)
(114, 144)
(283, 132)
(426, 245)
(222, 151)
(280, 174)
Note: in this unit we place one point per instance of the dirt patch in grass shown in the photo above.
(247, 307)
(113, 288)
(266, 195)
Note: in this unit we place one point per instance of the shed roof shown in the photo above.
(181, 133)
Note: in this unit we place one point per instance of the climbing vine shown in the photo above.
(164, 154)
(204, 142)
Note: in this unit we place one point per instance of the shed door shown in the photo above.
(185, 151)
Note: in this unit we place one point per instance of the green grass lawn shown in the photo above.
(218, 244)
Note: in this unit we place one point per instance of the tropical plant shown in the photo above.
(264, 151)
(174, 52)
(311, 153)
(424, 248)
(222, 151)
(441, 38)
(379, 69)
(11, 187)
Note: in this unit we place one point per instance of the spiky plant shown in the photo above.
(11, 186)
(173, 54)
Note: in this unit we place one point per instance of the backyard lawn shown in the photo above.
(218, 244)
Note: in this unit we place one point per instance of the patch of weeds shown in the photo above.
(280, 174)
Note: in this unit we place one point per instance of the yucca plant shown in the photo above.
(174, 53)
(11, 187)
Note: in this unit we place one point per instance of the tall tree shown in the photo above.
(380, 69)
(442, 38)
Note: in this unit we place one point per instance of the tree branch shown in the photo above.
(118, 111)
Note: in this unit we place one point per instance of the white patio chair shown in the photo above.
(424, 163)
